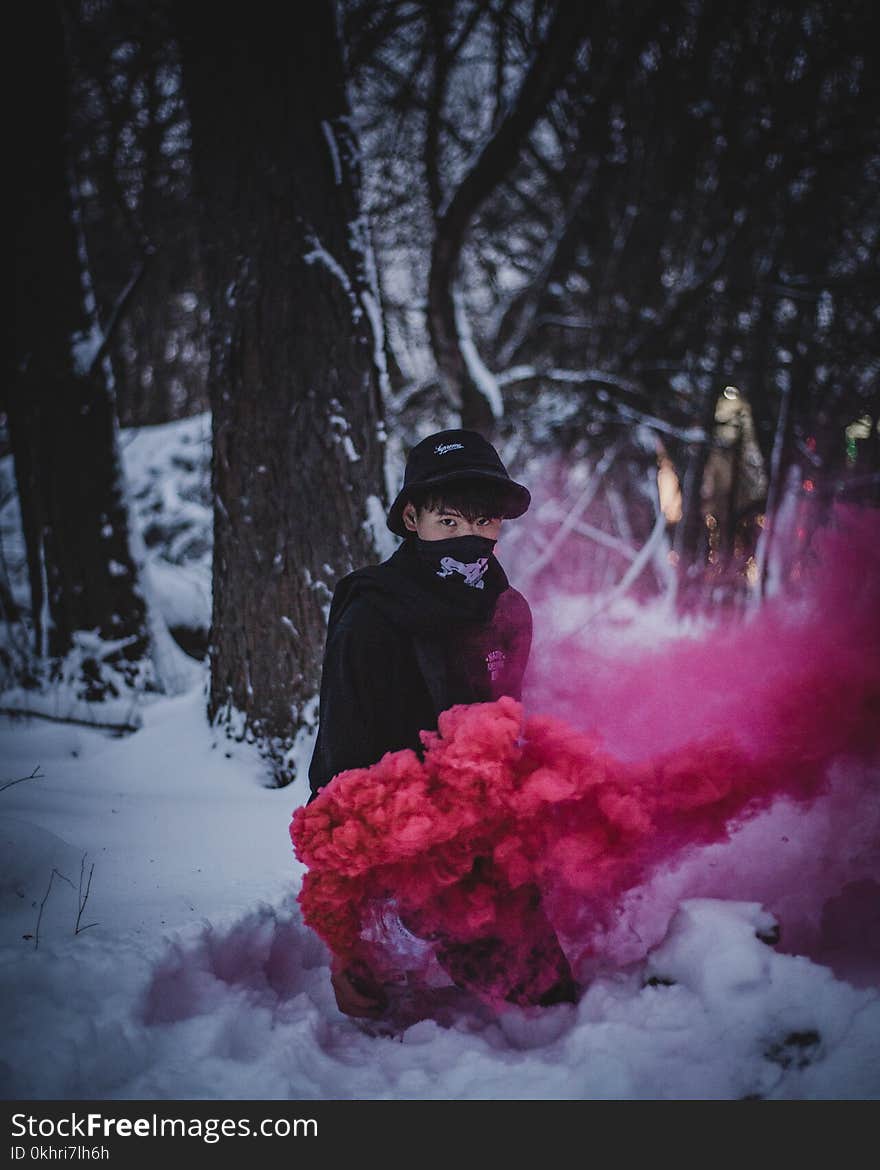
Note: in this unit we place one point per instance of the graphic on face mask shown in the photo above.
(473, 573)
(464, 557)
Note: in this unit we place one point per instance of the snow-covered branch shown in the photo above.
(334, 151)
(595, 377)
(524, 373)
(481, 376)
(320, 255)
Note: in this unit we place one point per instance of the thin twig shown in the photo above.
(35, 775)
(52, 877)
(647, 550)
(20, 713)
(117, 313)
(774, 495)
(82, 900)
(591, 532)
(582, 503)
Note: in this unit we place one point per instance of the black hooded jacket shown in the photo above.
(403, 646)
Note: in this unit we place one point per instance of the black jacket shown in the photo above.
(402, 647)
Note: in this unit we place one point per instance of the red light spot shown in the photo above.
(809, 485)
(811, 443)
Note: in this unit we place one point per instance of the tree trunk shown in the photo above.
(296, 354)
(60, 407)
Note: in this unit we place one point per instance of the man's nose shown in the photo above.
(471, 528)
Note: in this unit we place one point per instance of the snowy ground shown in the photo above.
(198, 980)
(192, 976)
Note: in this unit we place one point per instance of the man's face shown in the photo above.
(447, 522)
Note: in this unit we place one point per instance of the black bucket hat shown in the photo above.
(452, 455)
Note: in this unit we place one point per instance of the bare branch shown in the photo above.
(646, 554)
(468, 26)
(35, 775)
(82, 900)
(116, 315)
(55, 873)
(591, 532)
(629, 412)
(439, 29)
(581, 504)
(18, 713)
(519, 318)
(494, 161)
(366, 32)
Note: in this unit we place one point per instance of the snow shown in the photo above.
(361, 242)
(183, 592)
(198, 979)
(381, 537)
(482, 377)
(334, 151)
(84, 348)
(168, 470)
(318, 254)
(342, 432)
(374, 315)
(165, 479)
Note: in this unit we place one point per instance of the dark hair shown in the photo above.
(472, 498)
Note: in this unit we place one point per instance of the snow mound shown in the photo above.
(245, 1012)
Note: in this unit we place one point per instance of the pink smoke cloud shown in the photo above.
(517, 830)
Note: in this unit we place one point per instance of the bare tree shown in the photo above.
(463, 377)
(83, 578)
(692, 206)
(130, 138)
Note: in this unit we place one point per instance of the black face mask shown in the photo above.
(462, 559)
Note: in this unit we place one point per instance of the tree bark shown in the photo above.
(295, 357)
(60, 407)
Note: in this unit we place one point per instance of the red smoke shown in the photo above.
(508, 810)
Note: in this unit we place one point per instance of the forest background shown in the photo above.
(635, 244)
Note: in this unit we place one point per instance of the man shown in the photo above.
(435, 625)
